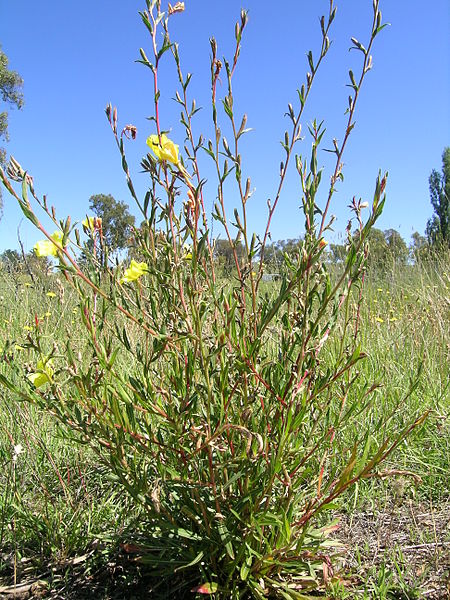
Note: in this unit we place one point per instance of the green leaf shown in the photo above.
(7, 383)
(196, 560)
(378, 29)
(225, 537)
(246, 565)
(227, 108)
(29, 213)
(184, 533)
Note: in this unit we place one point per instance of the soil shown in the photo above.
(409, 540)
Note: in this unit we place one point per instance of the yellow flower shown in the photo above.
(92, 223)
(28, 284)
(51, 294)
(379, 320)
(322, 243)
(27, 328)
(43, 374)
(47, 247)
(134, 271)
(164, 149)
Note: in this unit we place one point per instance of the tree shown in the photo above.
(11, 94)
(419, 248)
(224, 254)
(15, 263)
(396, 246)
(117, 223)
(338, 253)
(438, 227)
(385, 249)
(10, 261)
(275, 252)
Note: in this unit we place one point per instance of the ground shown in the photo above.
(401, 552)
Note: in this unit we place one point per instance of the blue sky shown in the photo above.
(77, 57)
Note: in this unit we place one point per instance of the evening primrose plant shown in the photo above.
(220, 405)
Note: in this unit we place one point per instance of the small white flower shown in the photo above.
(18, 449)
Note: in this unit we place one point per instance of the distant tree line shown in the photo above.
(386, 248)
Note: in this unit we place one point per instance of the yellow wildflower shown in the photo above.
(42, 375)
(51, 294)
(48, 247)
(27, 328)
(92, 223)
(322, 243)
(134, 271)
(164, 149)
(379, 320)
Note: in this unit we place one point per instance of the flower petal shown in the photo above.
(134, 271)
(163, 148)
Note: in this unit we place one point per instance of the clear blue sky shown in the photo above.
(77, 57)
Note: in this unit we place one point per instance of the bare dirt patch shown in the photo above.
(410, 542)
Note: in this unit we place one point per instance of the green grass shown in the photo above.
(56, 500)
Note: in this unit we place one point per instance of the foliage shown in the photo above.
(11, 94)
(209, 399)
(63, 502)
(117, 224)
(438, 227)
(225, 253)
(274, 254)
(386, 248)
(11, 261)
(420, 250)
(338, 253)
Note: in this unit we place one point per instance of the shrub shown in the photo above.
(209, 398)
